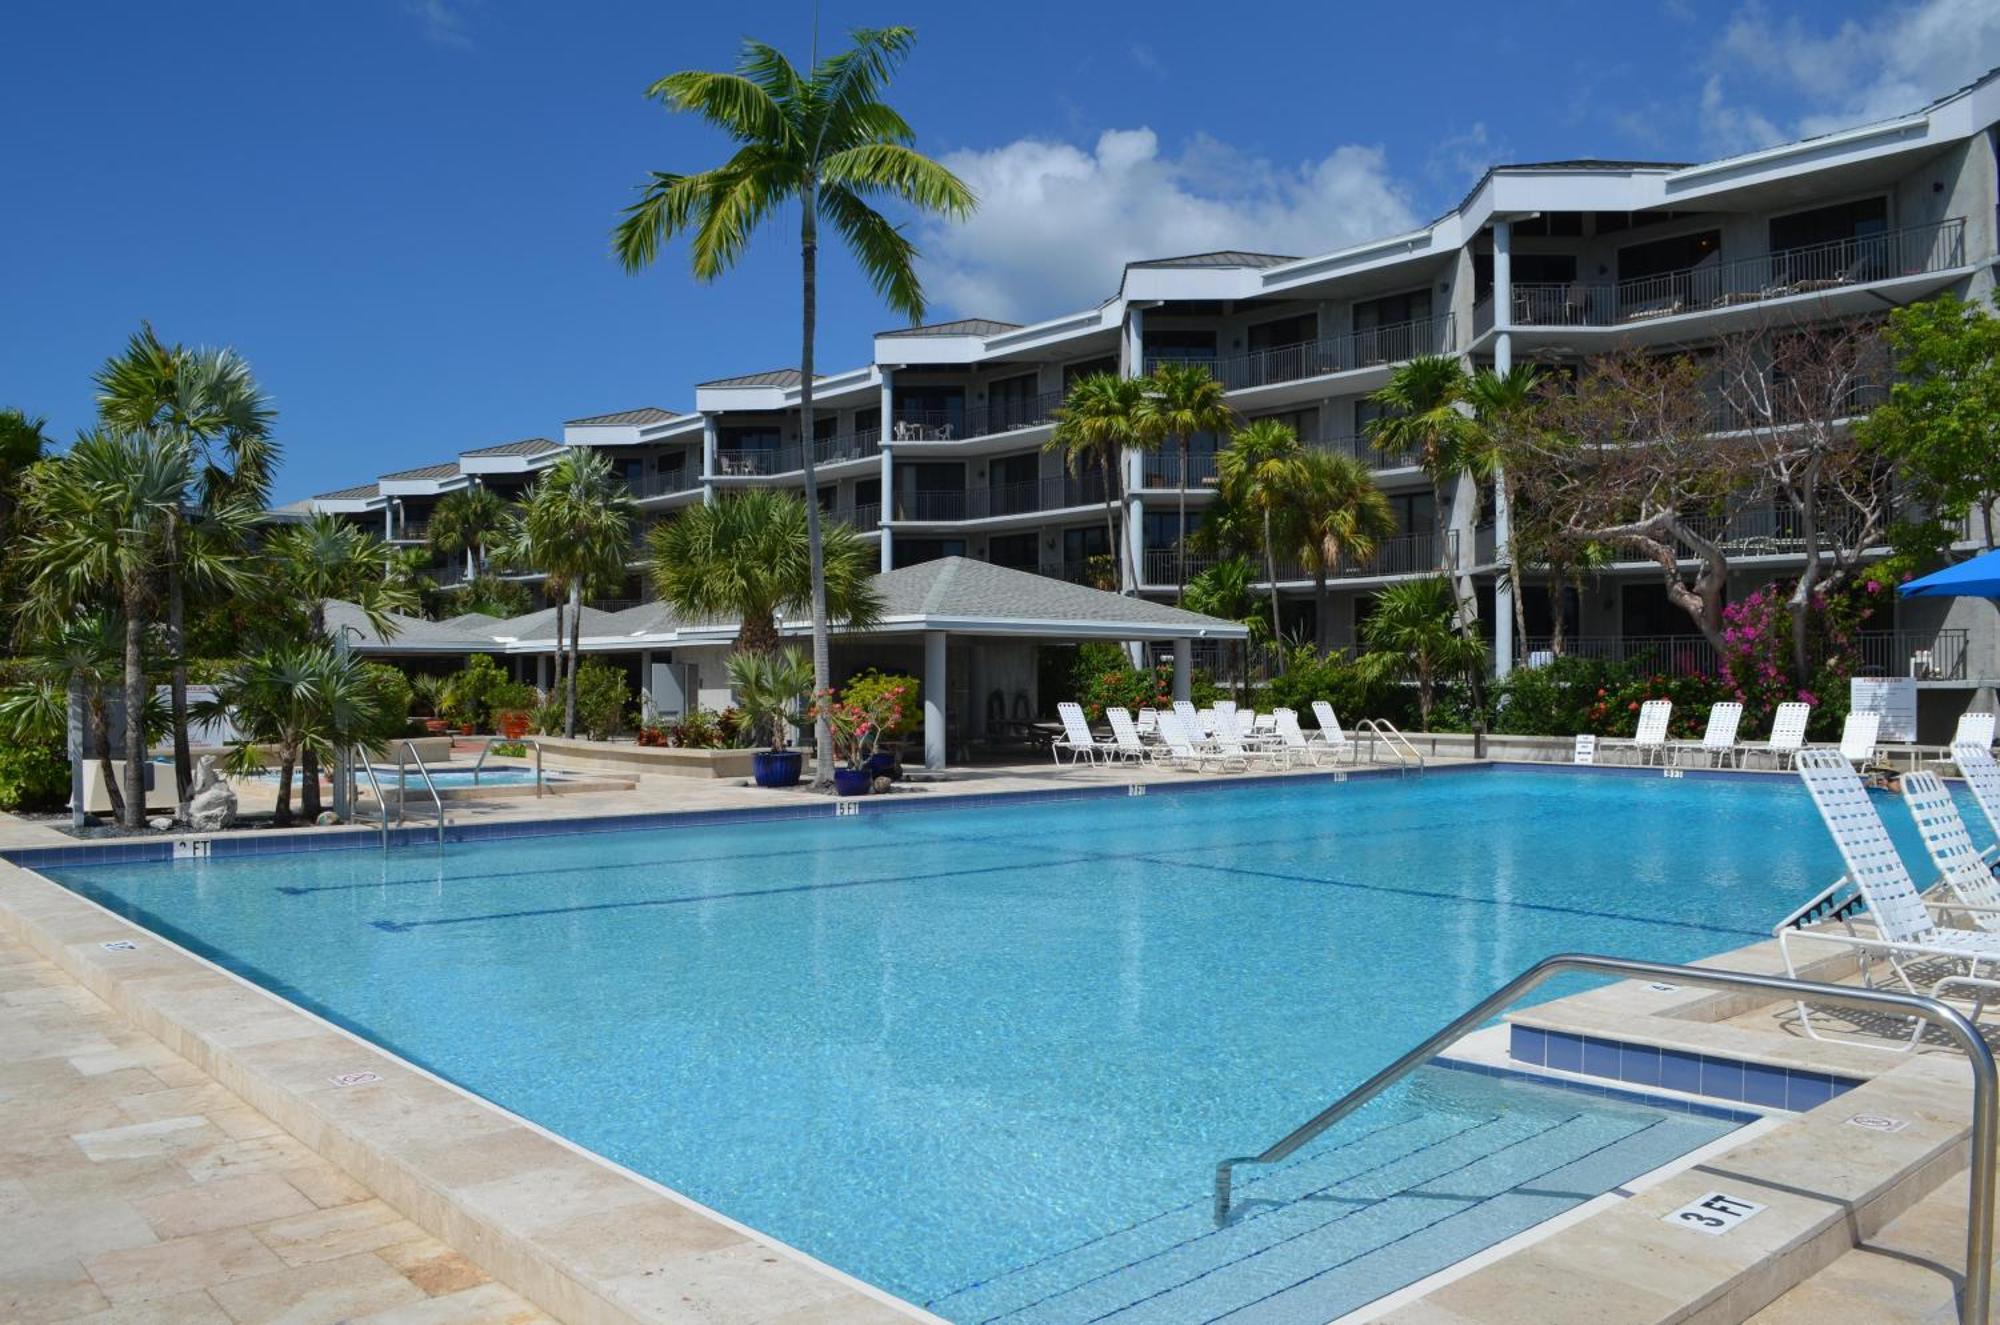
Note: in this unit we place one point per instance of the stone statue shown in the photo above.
(212, 806)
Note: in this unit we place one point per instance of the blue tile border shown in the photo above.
(1622, 1093)
(1763, 1085)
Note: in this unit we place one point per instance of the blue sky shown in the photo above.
(398, 209)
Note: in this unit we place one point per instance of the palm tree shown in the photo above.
(1503, 405)
(1264, 469)
(300, 696)
(576, 524)
(746, 557)
(207, 401)
(82, 656)
(1097, 423)
(1228, 589)
(324, 558)
(22, 442)
(1343, 515)
(100, 515)
(1182, 399)
(1412, 635)
(466, 521)
(1426, 414)
(826, 140)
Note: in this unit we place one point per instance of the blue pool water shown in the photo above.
(987, 1057)
(445, 777)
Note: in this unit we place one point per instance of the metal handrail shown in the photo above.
(410, 752)
(381, 801)
(487, 749)
(1977, 1288)
(1399, 744)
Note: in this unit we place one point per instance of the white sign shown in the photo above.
(1714, 1214)
(355, 1079)
(1875, 1122)
(1894, 698)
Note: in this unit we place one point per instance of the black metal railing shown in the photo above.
(865, 517)
(1329, 354)
(1008, 414)
(1046, 494)
(664, 483)
(763, 461)
(1420, 553)
(1810, 269)
(1927, 654)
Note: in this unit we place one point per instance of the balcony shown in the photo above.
(1099, 572)
(763, 462)
(1773, 531)
(411, 531)
(1401, 554)
(1360, 448)
(990, 419)
(1927, 655)
(1813, 269)
(1047, 494)
(1331, 354)
(666, 483)
(1162, 469)
(865, 517)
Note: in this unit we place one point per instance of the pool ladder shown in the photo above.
(1408, 757)
(1977, 1288)
(360, 757)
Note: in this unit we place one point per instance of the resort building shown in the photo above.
(934, 448)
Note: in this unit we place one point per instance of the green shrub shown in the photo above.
(866, 688)
(601, 696)
(33, 777)
(392, 695)
(1558, 698)
(1334, 678)
(512, 697)
(468, 695)
(547, 719)
(510, 749)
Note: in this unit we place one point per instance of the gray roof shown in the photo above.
(1229, 257)
(477, 621)
(411, 633)
(448, 469)
(775, 377)
(526, 446)
(958, 587)
(964, 326)
(625, 417)
(359, 492)
(542, 625)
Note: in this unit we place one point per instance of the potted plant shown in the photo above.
(513, 706)
(768, 689)
(868, 689)
(428, 690)
(858, 719)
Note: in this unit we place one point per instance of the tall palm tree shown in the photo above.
(1412, 635)
(1182, 399)
(297, 696)
(1427, 413)
(1343, 517)
(207, 401)
(1228, 589)
(101, 515)
(1264, 469)
(1097, 422)
(466, 521)
(82, 656)
(746, 557)
(23, 440)
(324, 558)
(823, 139)
(1503, 405)
(577, 522)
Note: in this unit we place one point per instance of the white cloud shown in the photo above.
(1057, 222)
(442, 21)
(1894, 62)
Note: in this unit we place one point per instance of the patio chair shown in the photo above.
(1717, 745)
(1293, 738)
(1976, 765)
(1125, 735)
(1649, 740)
(1961, 867)
(1187, 750)
(1330, 733)
(1222, 714)
(1857, 738)
(1788, 732)
(1905, 938)
(1974, 729)
(1191, 721)
(1228, 748)
(1076, 737)
(1148, 720)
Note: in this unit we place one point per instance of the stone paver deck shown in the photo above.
(134, 1188)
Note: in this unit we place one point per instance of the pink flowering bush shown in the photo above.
(1757, 665)
(860, 718)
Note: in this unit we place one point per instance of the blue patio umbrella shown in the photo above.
(1977, 578)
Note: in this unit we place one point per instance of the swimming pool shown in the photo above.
(987, 1057)
(443, 778)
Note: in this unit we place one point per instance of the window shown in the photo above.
(1284, 331)
(1415, 512)
(1666, 256)
(1861, 219)
(1018, 551)
(1086, 367)
(1168, 345)
(915, 551)
(826, 429)
(1392, 309)
(1012, 402)
(1013, 470)
(930, 412)
(1163, 528)
(1564, 225)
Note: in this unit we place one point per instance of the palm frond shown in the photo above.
(739, 105)
(904, 172)
(885, 253)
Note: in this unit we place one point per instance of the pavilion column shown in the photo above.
(934, 699)
(1183, 670)
(648, 708)
(888, 503)
(1503, 361)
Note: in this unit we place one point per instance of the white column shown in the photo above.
(1503, 361)
(1132, 360)
(1183, 669)
(934, 699)
(888, 551)
(707, 459)
(646, 708)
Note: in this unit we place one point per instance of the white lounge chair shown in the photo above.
(1904, 933)
(1961, 867)
(1330, 733)
(1974, 729)
(1292, 738)
(1221, 716)
(1228, 747)
(1125, 735)
(1077, 738)
(1649, 740)
(1857, 738)
(1788, 732)
(1148, 721)
(1197, 752)
(1191, 721)
(1718, 746)
(1177, 748)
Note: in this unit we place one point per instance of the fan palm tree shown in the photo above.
(82, 656)
(207, 401)
(1264, 470)
(1228, 589)
(466, 521)
(299, 696)
(825, 140)
(1426, 405)
(1180, 400)
(1343, 517)
(23, 439)
(1412, 635)
(1097, 422)
(324, 558)
(1503, 405)
(746, 557)
(100, 516)
(576, 524)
